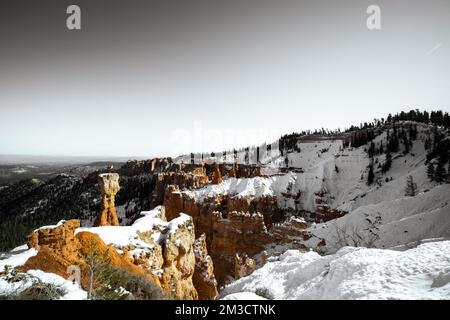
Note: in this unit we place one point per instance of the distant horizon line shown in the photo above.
(43, 158)
(17, 156)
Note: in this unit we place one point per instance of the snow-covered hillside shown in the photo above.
(324, 168)
(351, 273)
(334, 176)
(403, 222)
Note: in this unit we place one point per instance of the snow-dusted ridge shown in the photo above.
(121, 236)
(256, 187)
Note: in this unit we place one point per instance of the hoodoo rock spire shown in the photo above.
(109, 186)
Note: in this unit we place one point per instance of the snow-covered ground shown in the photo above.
(404, 221)
(17, 257)
(351, 273)
(72, 291)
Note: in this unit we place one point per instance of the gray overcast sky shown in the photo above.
(148, 78)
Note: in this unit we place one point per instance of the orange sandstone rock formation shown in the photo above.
(59, 238)
(179, 179)
(109, 186)
(233, 171)
(172, 259)
(173, 202)
(264, 257)
(234, 224)
(217, 177)
(204, 279)
(243, 265)
(179, 261)
(59, 248)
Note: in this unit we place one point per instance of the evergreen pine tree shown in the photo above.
(439, 173)
(387, 163)
(406, 143)
(430, 171)
(411, 187)
(257, 155)
(371, 149)
(371, 175)
(427, 144)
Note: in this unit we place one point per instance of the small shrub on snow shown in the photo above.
(105, 281)
(109, 283)
(13, 275)
(265, 293)
(142, 289)
(41, 291)
(37, 290)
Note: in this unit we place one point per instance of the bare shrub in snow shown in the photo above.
(354, 237)
(41, 291)
(265, 293)
(346, 236)
(36, 290)
(142, 289)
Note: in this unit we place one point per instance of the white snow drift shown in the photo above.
(352, 273)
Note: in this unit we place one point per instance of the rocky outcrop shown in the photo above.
(248, 171)
(139, 167)
(324, 213)
(267, 205)
(164, 252)
(243, 265)
(233, 171)
(179, 260)
(183, 179)
(186, 176)
(59, 248)
(59, 238)
(109, 186)
(177, 201)
(217, 177)
(227, 230)
(173, 202)
(264, 257)
(160, 164)
(238, 233)
(204, 279)
(231, 224)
